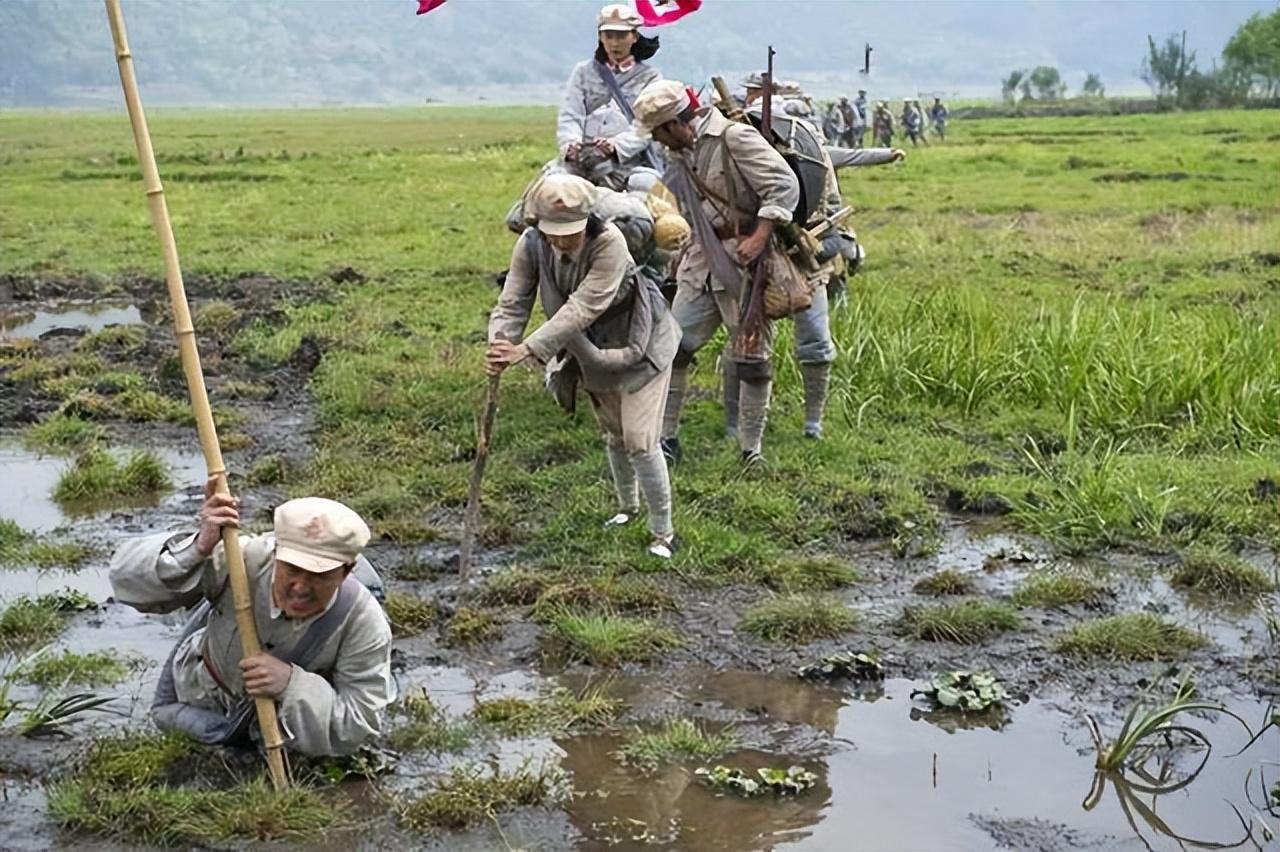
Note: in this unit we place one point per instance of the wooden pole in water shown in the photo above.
(186, 335)
(472, 516)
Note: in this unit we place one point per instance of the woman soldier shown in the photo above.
(613, 323)
(593, 127)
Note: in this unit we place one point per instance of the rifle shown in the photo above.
(826, 226)
(766, 104)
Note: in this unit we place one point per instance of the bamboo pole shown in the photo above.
(190, 356)
(472, 516)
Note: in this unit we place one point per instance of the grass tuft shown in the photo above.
(602, 639)
(409, 614)
(1053, 589)
(97, 475)
(470, 626)
(121, 791)
(468, 797)
(429, 728)
(966, 622)
(1220, 573)
(679, 739)
(1133, 636)
(558, 711)
(608, 593)
(97, 668)
(62, 434)
(797, 618)
(948, 581)
(29, 621)
(268, 470)
(812, 573)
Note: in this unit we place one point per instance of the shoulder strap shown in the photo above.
(611, 82)
(304, 650)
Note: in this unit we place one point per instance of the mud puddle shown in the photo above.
(891, 773)
(29, 480)
(32, 321)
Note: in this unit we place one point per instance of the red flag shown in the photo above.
(425, 6)
(658, 12)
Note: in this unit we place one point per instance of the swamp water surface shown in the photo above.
(93, 316)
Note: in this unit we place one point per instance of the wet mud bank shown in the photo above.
(889, 768)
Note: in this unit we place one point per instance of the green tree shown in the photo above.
(1009, 85)
(1047, 83)
(1254, 52)
(1165, 67)
(1093, 87)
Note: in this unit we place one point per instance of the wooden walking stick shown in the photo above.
(236, 573)
(472, 516)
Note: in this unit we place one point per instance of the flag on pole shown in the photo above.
(658, 12)
(425, 6)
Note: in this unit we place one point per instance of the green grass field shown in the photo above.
(1074, 319)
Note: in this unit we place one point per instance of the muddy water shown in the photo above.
(891, 775)
(29, 479)
(33, 322)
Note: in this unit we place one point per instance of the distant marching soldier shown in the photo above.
(913, 121)
(860, 120)
(849, 117)
(882, 125)
(938, 114)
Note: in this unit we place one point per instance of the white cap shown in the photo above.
(317, 534)
(618, 17)
(562, 203)
(658, 103)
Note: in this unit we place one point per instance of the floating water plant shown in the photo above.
(854, 665)
(789, 781)
(968, 692)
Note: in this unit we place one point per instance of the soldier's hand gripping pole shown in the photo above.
(272, 740)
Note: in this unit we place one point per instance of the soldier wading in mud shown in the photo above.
(326, 656)
(733, 188)
(613, 324)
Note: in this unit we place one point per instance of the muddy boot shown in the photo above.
(624, 484)
(817, 378)
(671, 415)
(754, 413)
(731, 392)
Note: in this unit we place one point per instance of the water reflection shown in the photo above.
(25, 322)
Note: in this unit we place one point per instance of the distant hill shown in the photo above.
(318, 52)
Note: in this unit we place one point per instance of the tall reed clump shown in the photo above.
(1111, 368)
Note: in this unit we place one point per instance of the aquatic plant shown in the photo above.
(470, 625)
(854, 665)
(428, 727)
(968, 692)
(790, 781)
(98, 475)
(1145, 721)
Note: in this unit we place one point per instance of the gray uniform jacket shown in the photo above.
(849, 158)
(759, 182)
(334, 708)
(592, 319)
(587, 110)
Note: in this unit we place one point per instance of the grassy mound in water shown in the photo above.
(1132, 636)
(469, 797)
(98, 475)
(967, 622)
(19, 547)
(1220, 573)
(121, 789)
(797, 618)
